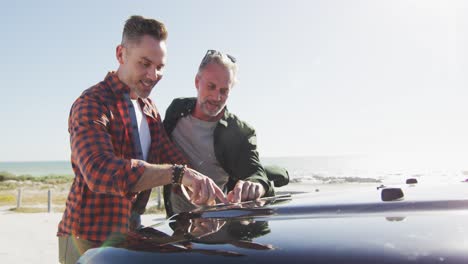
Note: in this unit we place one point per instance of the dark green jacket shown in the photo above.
(235, 146)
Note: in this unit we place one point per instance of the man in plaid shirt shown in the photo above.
(120, 149)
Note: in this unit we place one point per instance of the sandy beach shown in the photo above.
(31, 237)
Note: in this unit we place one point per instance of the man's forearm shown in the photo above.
(154, 175)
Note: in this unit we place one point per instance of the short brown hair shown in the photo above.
(137, 26)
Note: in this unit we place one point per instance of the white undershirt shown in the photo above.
(143, 129)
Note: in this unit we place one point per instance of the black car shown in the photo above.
(372, 224)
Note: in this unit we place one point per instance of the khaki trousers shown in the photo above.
(71, 248)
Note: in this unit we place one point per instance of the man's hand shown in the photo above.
(203, 190)
(246, 191)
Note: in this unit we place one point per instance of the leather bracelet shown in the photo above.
(178, 173)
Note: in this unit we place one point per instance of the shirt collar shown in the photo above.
(148, 107)
(118, 87)
(116, 84)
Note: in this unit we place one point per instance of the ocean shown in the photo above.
(387, 169)
(37, 168)
(314, 169)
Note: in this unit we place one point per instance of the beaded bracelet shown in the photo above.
(178, 173)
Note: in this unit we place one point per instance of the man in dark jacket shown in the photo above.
(215, 141)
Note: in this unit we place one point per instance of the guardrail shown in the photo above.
(19, 198)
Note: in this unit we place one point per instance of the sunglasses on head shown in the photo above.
(213, 52)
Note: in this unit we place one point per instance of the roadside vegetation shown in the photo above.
(9, 180)
(34, 193)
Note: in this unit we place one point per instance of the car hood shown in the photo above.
(426, 225)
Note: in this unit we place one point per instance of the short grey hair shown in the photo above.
(222, 59)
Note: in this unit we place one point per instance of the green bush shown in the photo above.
(49, 179)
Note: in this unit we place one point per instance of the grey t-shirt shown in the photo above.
(195, 138)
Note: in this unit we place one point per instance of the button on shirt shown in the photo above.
(103, 160)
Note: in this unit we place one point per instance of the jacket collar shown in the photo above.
(223, 121)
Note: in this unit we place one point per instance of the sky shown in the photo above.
(316, 78)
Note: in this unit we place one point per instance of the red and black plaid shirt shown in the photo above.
(103, 160)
